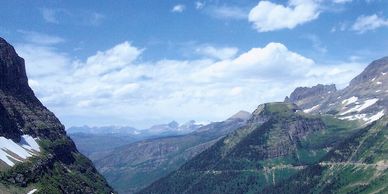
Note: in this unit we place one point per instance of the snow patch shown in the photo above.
(350, 100)
(364, 117)
(383, 73)
(376, 116)
(32, 191)
(311, 109)
(29, 143)
(379, 83)
(11, 151)
(373, 79)
(361, 107)
(377, 91)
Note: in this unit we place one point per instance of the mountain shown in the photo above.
(102, 130)
(96, 146)
(365, 99)
(35, 153)
(172, 128)
(132, 167)
(320, 140)
(97, 142)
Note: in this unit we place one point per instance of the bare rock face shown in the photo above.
(20, 111)
(305, 96)
(12, 71)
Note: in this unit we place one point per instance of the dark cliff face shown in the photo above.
(20, 111)
(22, 114)
(12, 70)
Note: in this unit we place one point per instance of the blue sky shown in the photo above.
(144, 62)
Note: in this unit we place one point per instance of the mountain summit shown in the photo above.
(365, 99)
(35, 152)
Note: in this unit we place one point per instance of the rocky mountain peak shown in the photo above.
(12, 69)
(365, 99)
(302, 93)
(378, 68)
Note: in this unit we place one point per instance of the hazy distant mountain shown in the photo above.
(319, 141)
(102, 130)
(97, 142)
(134, 166)
(172, 128)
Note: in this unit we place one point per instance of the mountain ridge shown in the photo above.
(320, 140)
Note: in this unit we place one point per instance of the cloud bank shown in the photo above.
(115, 87)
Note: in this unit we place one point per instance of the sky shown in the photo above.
(143, 62)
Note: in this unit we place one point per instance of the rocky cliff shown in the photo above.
(35, 152)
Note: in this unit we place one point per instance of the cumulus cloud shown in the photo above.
(371, 22)
(114, 87)
(178, 8)
(267, 16)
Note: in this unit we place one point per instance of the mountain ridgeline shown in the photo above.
(35, 153)
(319, 140)
(132, 167)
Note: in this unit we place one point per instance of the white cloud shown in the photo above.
(178, 8)
(114, 87)
(227, 12)
(268, 16)
(366, 23)
(217, 53)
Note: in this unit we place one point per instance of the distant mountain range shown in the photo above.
(131, 162)
(320, 140)
(97, 142)
(172, 128)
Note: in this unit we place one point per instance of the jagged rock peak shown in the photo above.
(306, 92)
(12, 69)
(376, 69)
